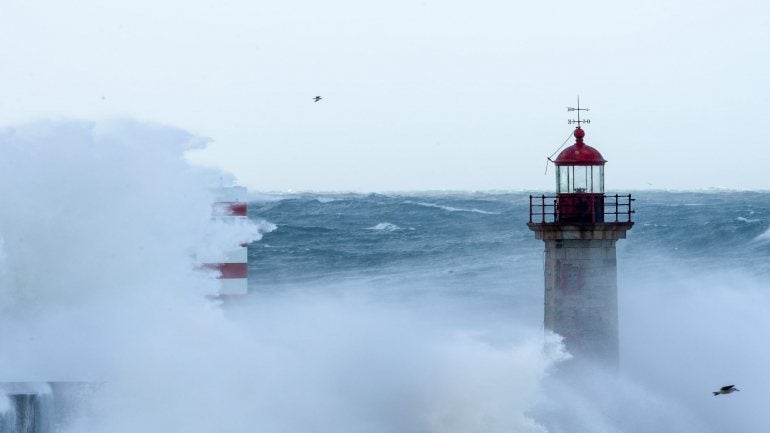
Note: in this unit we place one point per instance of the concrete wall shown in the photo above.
(581, 300)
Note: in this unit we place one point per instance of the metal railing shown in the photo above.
(580, 208)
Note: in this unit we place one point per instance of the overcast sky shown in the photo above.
(417, 94)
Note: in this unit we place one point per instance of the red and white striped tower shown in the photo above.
(233, 271)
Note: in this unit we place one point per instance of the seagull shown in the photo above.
(317, 98)
(726, 390)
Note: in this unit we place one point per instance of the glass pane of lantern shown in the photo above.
(563, 179)
(582, 179)
(598, 178)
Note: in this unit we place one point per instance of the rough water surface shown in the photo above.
(402, 312)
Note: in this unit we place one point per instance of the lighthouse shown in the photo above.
(580, 226)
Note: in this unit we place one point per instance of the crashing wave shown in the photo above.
(264, 226)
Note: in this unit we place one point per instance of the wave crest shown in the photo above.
(385, 227)
(748, 220)
(763, 237)
(450, 208)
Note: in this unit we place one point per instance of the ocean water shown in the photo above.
(693, 288)
(479, 242)
(397, 313)
(477, 247)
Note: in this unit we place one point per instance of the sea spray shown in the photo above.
(295, 363)
(103, 223)
(348, 362)
(102, 229)
(5, 403)
(7, 413)
(688, 332)
(100, 232)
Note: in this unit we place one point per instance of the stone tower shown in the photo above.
(580, 225)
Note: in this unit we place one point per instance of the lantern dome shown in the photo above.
(579, 153)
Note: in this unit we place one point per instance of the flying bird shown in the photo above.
(726, 390)
(317, 98)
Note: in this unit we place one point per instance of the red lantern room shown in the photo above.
(580, 182)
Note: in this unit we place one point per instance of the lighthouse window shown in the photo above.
(598, 178)
(562, 179)
(580, 178)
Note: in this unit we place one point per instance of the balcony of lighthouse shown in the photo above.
(580, 216)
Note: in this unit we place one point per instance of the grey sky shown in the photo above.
(417, 94)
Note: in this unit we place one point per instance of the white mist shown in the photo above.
(101, 227)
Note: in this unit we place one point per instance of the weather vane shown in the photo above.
(578, 109)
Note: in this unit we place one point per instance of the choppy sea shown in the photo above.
(479, 243)
(692, 275)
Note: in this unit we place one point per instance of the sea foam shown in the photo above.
(385, 227)
(101, 229)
